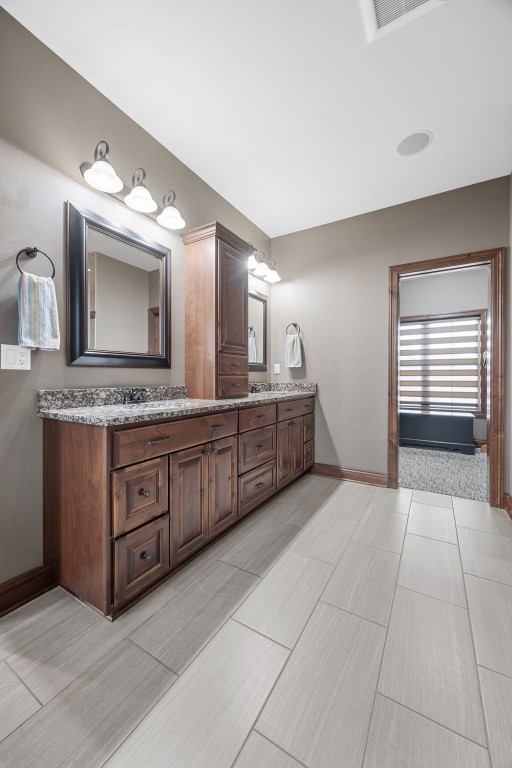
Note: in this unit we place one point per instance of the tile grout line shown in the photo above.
(370, 719)
(494, 671)
(261, 634)
(435, 722)
(489, 533)
(24, 684)
(475, 656)
(255, 730)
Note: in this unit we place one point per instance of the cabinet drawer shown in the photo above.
(256, 486)
(309, 454)
(232, 386)
(260, 416)
(232, 364)
(291, 408)
(133, 445)
(256, 447)
(309, 426)
(140, 558)
(139, 493)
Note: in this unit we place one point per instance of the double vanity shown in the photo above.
(134, 491)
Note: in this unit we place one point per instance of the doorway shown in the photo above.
(420, 404)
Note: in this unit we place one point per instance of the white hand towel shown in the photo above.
(252, 349)
(38, 326)
(292, 351)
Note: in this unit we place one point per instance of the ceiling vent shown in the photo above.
(383, 16)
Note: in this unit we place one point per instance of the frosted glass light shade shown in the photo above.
(102, 176)
(171, 218)
(272, 277)
(261, 269)
(251, 262)
(140, 199)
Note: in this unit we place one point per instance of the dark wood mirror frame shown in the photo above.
(264, 300)
(78, 219)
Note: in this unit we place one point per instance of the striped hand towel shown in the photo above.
(38, 319)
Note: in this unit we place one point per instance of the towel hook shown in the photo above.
(295, 325)
(32, 253)
(251, 330)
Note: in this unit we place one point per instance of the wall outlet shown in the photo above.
(277, 367)
(15, 358)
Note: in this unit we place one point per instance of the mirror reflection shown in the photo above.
(123, 289)
(257, 331)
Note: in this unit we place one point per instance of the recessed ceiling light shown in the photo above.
(415, 143)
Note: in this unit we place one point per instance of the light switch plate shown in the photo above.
(277, 367)
(14, 358)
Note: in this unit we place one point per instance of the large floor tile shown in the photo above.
(55, 658)
(432, 522)
(432, 568)
(258, 752)
(400, 738)
(22, 626)
(480, 516)
(497, 697)
(392, 500)
(16, 702)
(363, 582)
(325, 537)
(351, 500)
(261, 547)
(429, 664)
(85, 724)
(208, 713)
(301, 514)
(490, 609)
(320, 709)
(486, 555)
(436, 499)
(381, 529)
(281, 605)
(180, 629)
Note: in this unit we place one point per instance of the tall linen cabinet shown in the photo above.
(216, 313)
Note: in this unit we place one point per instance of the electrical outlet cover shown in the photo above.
(14, 358)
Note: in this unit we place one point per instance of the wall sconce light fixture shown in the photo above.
(101, 175)
(257, 264)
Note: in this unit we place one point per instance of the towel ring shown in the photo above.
(295, 325)
(32, 253)
(251, 330)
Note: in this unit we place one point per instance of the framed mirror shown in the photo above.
(118, 295)
(257, 331)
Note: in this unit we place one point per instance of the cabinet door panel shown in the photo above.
(189, 501)
(223, 485)
(284, 473)
(297, 447)
(233, 312)
(140, 558)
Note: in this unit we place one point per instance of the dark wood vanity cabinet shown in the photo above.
(216, 313)
(130, 504)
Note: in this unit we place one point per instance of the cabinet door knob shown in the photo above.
(145, 556)
(144, 492)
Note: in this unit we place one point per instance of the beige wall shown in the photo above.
(50, 122)
(335, 285)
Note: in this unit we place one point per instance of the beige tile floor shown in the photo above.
(339, 626)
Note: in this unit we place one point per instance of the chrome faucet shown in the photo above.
(134, 396)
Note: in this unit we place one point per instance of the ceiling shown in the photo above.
(285, 108)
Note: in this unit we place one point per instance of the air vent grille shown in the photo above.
(387, 11)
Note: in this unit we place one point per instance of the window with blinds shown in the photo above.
(442, 363)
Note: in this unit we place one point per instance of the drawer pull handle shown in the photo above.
(259, 485)
(144, 492)
(217, 426)
(288, 409)
(160, 440)
(236, 385)
(235, 365)
(261, 416)
(145, 556)
(258, 447)
(306, 406)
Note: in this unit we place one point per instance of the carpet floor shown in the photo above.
(453, 474)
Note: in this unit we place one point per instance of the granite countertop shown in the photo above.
(153, 410)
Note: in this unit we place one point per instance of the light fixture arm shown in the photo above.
(139, 177)
(169, 198)
(102, 151)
